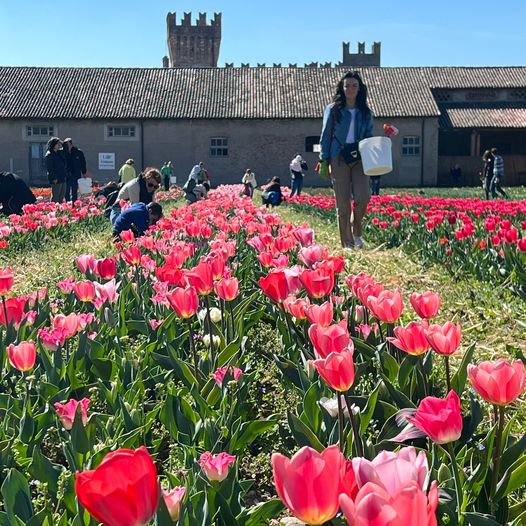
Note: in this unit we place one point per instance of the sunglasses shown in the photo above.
(152, 185)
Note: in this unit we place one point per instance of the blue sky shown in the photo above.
(132, 33)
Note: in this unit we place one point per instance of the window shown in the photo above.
(312, 144)
(454, 142)
(219, 147)
(39, 131)
(118, 132)
(411, 145)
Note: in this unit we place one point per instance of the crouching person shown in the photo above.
(137, 218)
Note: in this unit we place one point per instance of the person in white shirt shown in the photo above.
(297, 165)
(249, 180)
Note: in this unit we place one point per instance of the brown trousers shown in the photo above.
(349, 181)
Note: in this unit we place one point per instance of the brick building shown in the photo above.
(259, 117)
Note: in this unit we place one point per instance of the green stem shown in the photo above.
(340, 422)
(422, 372)
(194, 352)
(458, 484)
(210, 332)
(5, 312)
(497, 455)
(448, 373)
(356, 433)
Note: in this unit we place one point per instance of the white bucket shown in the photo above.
(376, 155)
(85, 185)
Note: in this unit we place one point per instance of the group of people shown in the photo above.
(65, 165)
(493, 174)
(197, 185)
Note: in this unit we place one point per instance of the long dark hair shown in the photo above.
(339, 97)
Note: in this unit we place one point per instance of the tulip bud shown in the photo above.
(109, 318)
(215, 314)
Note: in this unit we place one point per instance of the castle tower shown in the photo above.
(193, 46)
(361, 59)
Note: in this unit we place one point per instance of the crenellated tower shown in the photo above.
(361, 59)
(193, 46)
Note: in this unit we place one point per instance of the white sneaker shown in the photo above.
(359, 242)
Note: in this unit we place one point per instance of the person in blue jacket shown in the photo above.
(137, 218)
(346, 121)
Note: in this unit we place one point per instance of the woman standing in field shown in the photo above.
(487, 173)
(346, 121)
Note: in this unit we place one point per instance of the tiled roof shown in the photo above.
(226, 93)
(488, 115)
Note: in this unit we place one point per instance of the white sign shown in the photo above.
(106, 161)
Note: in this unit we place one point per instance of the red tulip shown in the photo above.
(15, 311)
(387, 306)
(66, 412)
(321, 315)
(444, 339)
(309, 483)
(216, 466)
(201, 278)
(337, 370)
(374, 506)
(173, 500)
(334, 338)
(6, 281)
(318, 283)
(106, 268)
(274, 285)
(183, 301)
(227, 289)
(123, 490)
(426, 305)
(499, 382)
(440, 419)
(22, 356)
(412, 338)
(132, 255)
(169, 274)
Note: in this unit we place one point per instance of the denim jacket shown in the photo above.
(330, 147)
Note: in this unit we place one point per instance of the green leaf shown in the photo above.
(367, 413)
(42, 469)
(397, 396)
(513, 452)
(458, 382)
(249, 431)
(513, 479)
(389, 365)
(79, 437)
(406, 368)
(17, 498)
(480, 519)
(261, 513)
(303, 435)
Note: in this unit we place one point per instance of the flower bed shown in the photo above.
(125, 392)
(486, 239)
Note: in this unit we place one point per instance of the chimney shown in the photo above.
(166, 62)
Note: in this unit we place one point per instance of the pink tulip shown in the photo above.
(69, 323)
(309, 483)
(322, 314)
(183, 301)
(440, 419)
(411, 338)
(392, 470)
(22, 356)
(173, 500)
(221, 372)
(292, 274)
(444, 339)
(216, 466)
(84, 290)
(312, 254)
(337, 370)
(86, 262)
(52, 338)
(319, 282)
(426, 305)
(296, 306)
(66, 412)
(374, 506)
(305, 235)
(499, 382)
(227, 289)
(334, 338)
(387, 306)
(6, 281)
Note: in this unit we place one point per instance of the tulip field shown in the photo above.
(228, 369)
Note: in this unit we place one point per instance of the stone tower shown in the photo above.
(193, 46)
(361, 59)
